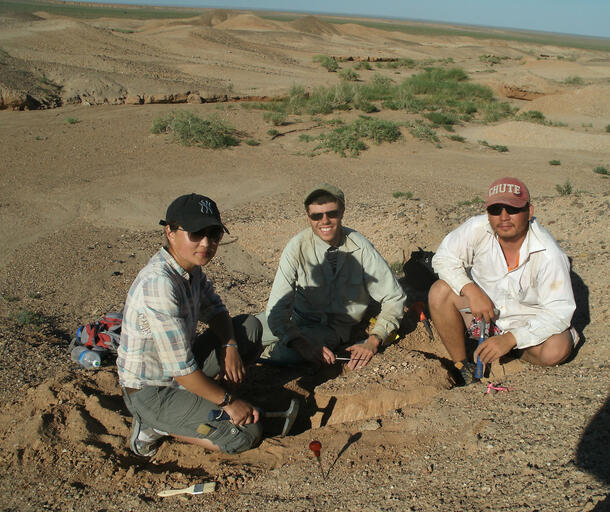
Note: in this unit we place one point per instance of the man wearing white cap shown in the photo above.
(506, 268)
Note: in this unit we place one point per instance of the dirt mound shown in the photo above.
(215, 16)
(247, 22)
(591, 101)
(313, 25)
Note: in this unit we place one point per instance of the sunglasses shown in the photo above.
(496, 209)
(214, 234)
(332, 214)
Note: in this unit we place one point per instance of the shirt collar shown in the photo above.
(165, 254)
(531, 243)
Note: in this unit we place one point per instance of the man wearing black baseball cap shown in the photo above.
(505, 268)
(169, 374)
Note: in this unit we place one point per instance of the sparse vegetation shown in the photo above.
(608, 128)
(306, 138)
(25, 317)
(406, 195)
(473, 202)
(396, 267)
(275, 118)
(457, 138)
(11, 298)
(497, 147)
(492, 60)
(347, 139)
(363, 65)
(574, 80)
(565, 189)
(252, 142)
(191, 130)
(327, 62)
(601, 169)
(72, 120)
(554, 162)
(422, 131)
(273, 133)
(349, 74)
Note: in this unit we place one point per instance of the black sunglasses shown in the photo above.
(214, 234)
(496, 209)
(332, 214)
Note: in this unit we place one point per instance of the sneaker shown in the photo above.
(465, 373)
(144, 440)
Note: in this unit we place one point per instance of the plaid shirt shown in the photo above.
(160, 322)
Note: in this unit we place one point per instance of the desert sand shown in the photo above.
(79, 207)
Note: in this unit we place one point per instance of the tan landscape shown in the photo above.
(84, 183)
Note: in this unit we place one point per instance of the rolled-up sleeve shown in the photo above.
(168, 327)
(455, 255)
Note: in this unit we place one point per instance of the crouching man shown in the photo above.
(171, 377)
(506, 268)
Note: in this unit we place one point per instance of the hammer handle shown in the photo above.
(478, 372)
(221, 415)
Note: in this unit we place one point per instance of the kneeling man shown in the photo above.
(328, 275)
(506, 268)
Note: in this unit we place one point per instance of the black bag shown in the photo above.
(418, 270)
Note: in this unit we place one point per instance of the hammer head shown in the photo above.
(291, 416)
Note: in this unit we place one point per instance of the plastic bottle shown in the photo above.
(85, 357)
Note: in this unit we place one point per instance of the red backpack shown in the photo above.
(103, 335)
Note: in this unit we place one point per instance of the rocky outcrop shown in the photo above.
(519, 93)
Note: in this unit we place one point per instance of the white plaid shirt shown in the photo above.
(160, 322)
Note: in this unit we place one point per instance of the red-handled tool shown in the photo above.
(420, 308)
(315, 447)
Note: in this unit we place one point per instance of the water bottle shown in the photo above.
(85, 357)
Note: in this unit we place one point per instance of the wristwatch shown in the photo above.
(228, 399)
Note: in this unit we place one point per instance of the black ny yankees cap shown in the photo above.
(193, 212)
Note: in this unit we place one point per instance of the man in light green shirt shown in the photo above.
(327, 276)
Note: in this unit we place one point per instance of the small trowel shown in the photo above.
(193, 489)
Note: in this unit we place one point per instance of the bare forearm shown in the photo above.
(200, 385)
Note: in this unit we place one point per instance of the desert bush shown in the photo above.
(363, 65)
(554, 162)
(25, 317)
(275, 118)
(492, 60)
(192, 130)
(272, 132)
(532, 115)
(349, 74)
(574, 80)
(472, 202)
(601, 169)
(497, 147)
(407, 195)
(422, 131)
(608, 128)
(72, 120)
(565, 189)
(327, 62)
(252, 142)
(348, 137)
(457, 138)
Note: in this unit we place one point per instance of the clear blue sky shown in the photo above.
(585, 17)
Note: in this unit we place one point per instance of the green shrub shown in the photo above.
(306, 138)
(272, 132)
(554, 162)
(533, 116)
(396, 267)
(422, 131)
(492, 60)
(497, 147)
(608, 128)
(348, 138)
(72, 120)
(574, 80)
(192, 130)
(407, 195)
(349, 74)
(600, 169)
(363, 65)
(457, 138)
(565, 189)
(327, 62)
(473, 202)
(252, 142)
(25, 317)
(275, 118)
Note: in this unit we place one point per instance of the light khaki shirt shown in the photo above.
(306, 291)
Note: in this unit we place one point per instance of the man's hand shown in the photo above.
(361, 354)
(480, 304)
(232, 368)
(495, 347)
(313, 353)
(242, 413)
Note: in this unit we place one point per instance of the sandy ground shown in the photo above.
(79, 205)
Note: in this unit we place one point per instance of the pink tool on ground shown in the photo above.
(496, 387)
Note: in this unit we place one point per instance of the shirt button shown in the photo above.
(233, 431)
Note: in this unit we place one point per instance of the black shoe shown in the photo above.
(465, 373)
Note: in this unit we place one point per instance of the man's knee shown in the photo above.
(440, 292)
(553, 351)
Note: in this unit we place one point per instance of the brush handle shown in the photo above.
(478, 372)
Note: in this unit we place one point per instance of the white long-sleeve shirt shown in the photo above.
(535, 299)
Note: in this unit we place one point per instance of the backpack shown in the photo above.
(418, 270)
(102, 335)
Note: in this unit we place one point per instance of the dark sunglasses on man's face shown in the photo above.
(332, 214)
(214, 234)
(496, 209)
